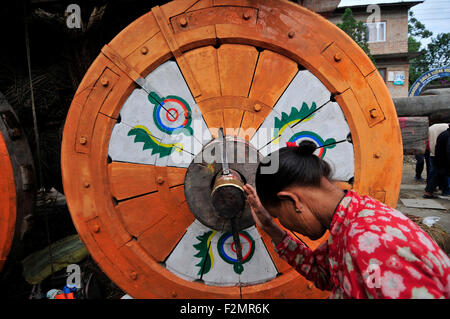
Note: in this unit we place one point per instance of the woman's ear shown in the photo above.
(290, 196)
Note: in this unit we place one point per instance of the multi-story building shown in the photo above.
(388, 37)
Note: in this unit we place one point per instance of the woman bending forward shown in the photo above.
(373, 251)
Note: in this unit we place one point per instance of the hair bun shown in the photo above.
(306, 148)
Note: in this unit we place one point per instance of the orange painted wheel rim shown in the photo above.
(131, 246)
(8, 207)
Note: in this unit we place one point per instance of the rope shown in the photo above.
(36, 131)
(33, 105)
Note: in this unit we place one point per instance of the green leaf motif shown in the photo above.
(305, 113)
(143, 135)
(204, 252)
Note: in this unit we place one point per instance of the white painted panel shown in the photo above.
(182, 260)
(187, 146)
(324, 123)
(221, 268)
(327, 127)
(159, 119)
(123, 149)
(305, 89)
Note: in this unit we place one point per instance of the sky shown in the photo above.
(435, 14)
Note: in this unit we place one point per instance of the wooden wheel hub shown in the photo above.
(214, 198)
(263, 70)
(228, 196)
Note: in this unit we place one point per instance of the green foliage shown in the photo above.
(439, 51)
(435, 55)
(417, 28)
(357, 30)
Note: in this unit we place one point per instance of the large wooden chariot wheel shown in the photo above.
(145, 123)
(17, 184)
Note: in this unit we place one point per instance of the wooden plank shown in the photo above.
(175, 176)
(250, 124)
(214, 120)
(232, 121)
(128, 39)
(129, 180)
(414, 134)
(168, 34)
(140, 213)
(236, 66)
(159, 240)
(174, 8)
(213, 112)
(202, 4)
(195, 38)
(371, 107)
(177, 194)
(323, 6)
(273, 74)
(204, 62)
(290, 285)
(97, 96)
(213, 16)
(154, 49)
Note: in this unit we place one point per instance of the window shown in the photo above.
(382, 73)
(376, 31)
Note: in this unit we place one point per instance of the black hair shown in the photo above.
(297, 166)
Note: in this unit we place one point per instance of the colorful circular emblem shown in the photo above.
(227, 249)
(311, 136)
(171, 113)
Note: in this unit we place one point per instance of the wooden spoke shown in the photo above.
(160, 239)
(273, 74)
(131, 180)
(204, 62)
(236, 66)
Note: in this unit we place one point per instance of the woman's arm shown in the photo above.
(311, 264)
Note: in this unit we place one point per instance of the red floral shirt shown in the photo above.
(373, 251)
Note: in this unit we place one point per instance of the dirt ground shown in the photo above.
(413, 189)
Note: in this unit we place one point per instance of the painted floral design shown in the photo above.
(392, 284)
(424, 239)
(395, 232)
(368, 242)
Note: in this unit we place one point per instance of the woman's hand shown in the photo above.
(262, 217)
